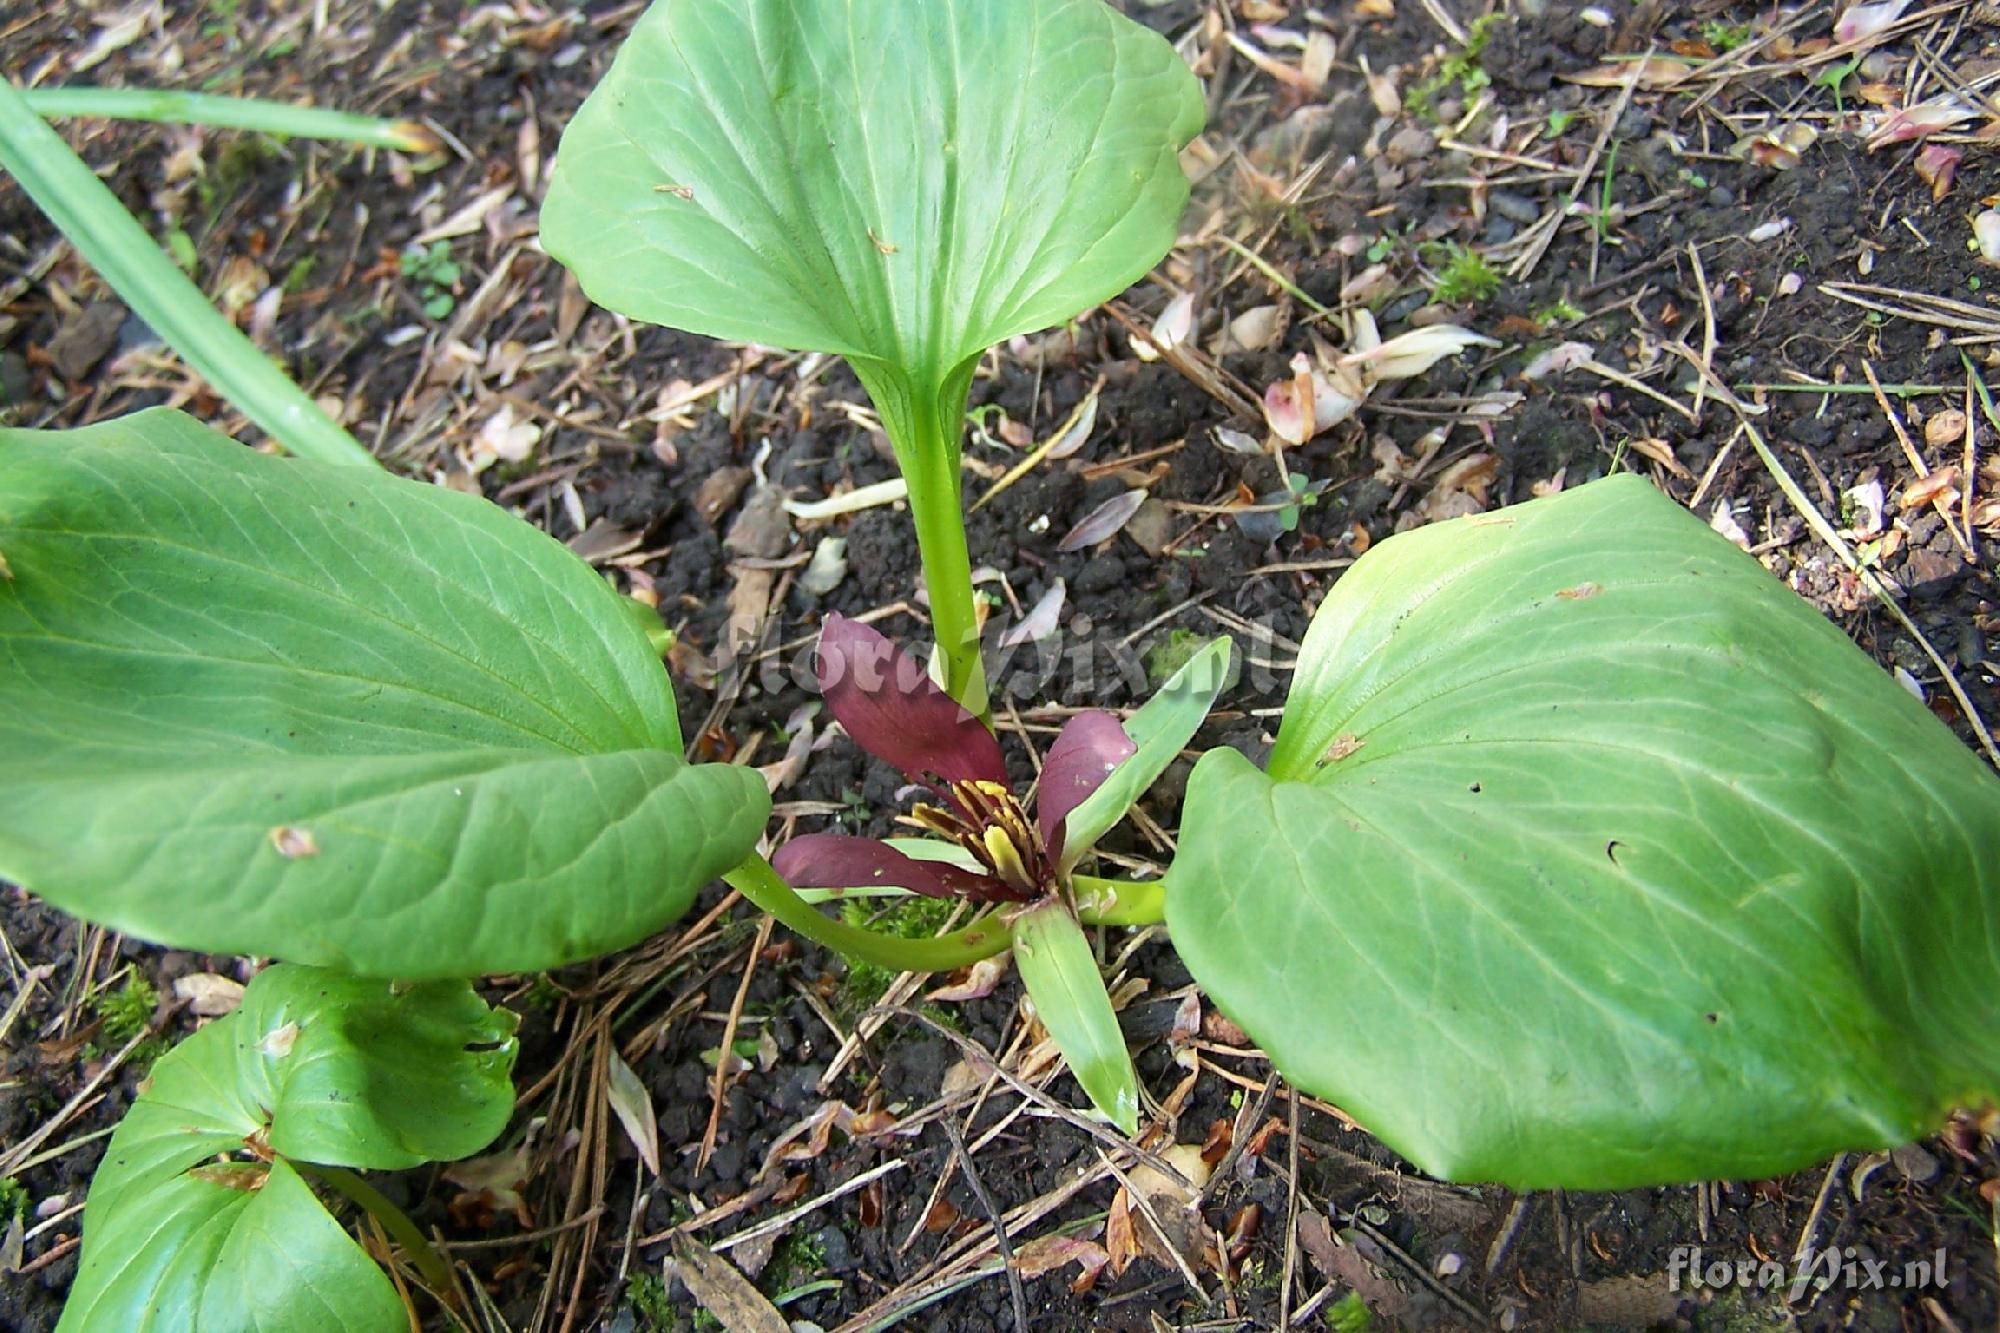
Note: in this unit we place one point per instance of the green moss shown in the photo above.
(1466, 276)
(13, 1200)
(1725, 37)
(1170, 654)
(122, 1015)
(1460, 68)
(646, 1293)
(798, 1259)
(1349, 1314)
(911, 918)
(127, 1011)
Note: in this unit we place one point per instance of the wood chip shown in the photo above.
(723, 1291)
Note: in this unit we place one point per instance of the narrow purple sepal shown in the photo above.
(891, 707)
(837, 861)
(1088, 748)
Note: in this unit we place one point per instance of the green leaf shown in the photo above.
(265, 706)
(1591, 856)
(91, 219)
(186, 1228)
(1160, 728)
(1060, 972)
(904, 185)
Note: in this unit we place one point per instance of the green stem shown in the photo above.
(91, 218)
(755, 880)
(930, 467)
(393, 1219)
(237, 113)
(1115, 902)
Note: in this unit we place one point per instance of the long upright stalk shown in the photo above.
(139, 271)
(931, 469)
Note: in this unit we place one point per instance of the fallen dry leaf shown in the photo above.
(1945, 428)
(1659, 451)
(1345, 1263)
(1941, 485)
(979, 981)
(1045, 1254)
(1861, 22)
(633, 1106)
(1653, 74)
(209, 994)
(1103, 522)
(1937, 167)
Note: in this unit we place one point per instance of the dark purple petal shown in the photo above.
(889, 704)
(1090, 746)
(837, 861)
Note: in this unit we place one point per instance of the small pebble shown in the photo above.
(1409, 144)
(1100, 573)
(1636, 123)
(1515, 208)
(1971, 646)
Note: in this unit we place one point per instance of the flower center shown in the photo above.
(990, 824)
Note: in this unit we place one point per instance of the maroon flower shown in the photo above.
(889, 705)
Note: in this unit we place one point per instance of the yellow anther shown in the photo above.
(937, 821)
(1005, 857)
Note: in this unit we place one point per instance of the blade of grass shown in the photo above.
(90, 216)
(236, 113)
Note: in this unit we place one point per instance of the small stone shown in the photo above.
(1947, 427)
(834, 1245)
(1409, 144)
(1930, 573)
(726, 1163)
(1722, 197)
(1636, 123)
(17, 384)
(719, 491)
(1515, 208)
(86, 338)
(1100, 573)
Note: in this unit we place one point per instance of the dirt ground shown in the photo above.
(1670, 217)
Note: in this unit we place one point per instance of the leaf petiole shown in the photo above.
(755, 880)
(393, 1219)
(930, 463)
(1117, 902)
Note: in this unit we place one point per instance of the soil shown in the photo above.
(1659, 232)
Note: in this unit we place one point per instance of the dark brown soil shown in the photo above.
(1632, 287)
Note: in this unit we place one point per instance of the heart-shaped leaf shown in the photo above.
(1591, 856)
(902, 184)
(267, 706)
(196, 1218)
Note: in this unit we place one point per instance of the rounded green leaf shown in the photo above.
(266, 706)
(1591, 856)
(186, 1227)
(902, 184)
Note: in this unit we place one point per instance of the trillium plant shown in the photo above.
(1586, 854)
